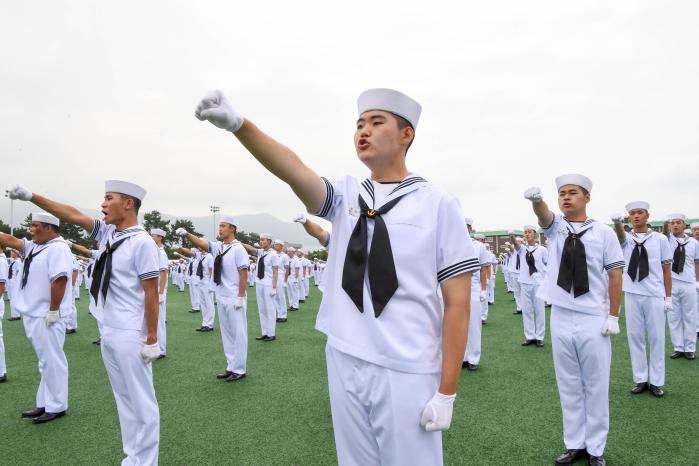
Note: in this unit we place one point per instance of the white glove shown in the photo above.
(257, 245)
(69, 244)
(618, 218)
(150, 353)
(217, 109)
(668, 304)
(484, 295)
(51, 317)
(161, 297)
(437, 413)
(300, 218)
(273, 293)
(181, 232)
(533, 194)
(239, 302)
(19, 192)
(611, 326)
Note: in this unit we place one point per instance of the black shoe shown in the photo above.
(194, 311)
(464, 364)
(207, 329)
(234, 377)
(656, 391)
(571, 456)
(71, 330)
(3, 378)
(471, 367)
(224, 375)
(510, 291)
(689, 355)
(200, 329)
(281, 320)
(97, 342)
(528, 342)
(548, 305)
(597, 461)
(540, 343)
(261, 337)
(269, 338)
(162, 356)
(639, 388)
(48, 417)
(34, 412)
(517, 312)
(15, 318)
(676, 354)
(302, 300)
(483, 322)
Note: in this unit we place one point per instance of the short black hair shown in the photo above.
(136, 201)
(55, 228)
(402, 124)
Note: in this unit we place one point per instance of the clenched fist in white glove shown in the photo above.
(533, 194)
(273, 292)
(618, 218)
(611, 326)
(437, 413)
(51, 317)
(300, 218)
(239, 302)
(667, 307)
(19, 192)
(150, 353)
(483, 296)
(217, 109)
(181, 232)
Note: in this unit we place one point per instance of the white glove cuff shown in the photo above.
(614, 318)
(445, 399)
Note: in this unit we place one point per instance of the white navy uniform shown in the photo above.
(50, 261)
(292, 285)
(473, 344)
(371, 360)
(533, 307)
(233, 322)
(306, 276)
(13, 274)
(581, 354)
(493, 277)
(162, 301)
(123, 335)
(263, 289)
(205, 264)
(72, 315)
(3, 279)
(282, 280)
(192, 281)
(515, 270)
(644, 305)
(682, 319)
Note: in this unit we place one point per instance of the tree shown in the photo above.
(321, 254)
(4, 227)
(153, 219)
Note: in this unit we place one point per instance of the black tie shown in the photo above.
(103, 267)
(383, 281)
(12, 270)
(89, 271)
(573, 271)
(200, 268)
(191, 264)
(218, 266)
(529, 256)
(261, 267)
(518, 263)
(27, 264)
(638, 264)
(678, 258)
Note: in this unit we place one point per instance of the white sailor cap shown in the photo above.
(266, 236)
(469, 221)
(694, 225)
(577, 180)
(45, 217)
(278, 241)
(291, 249)
(158, 231)
(229, 219)
(677, 216)
(390, 101)
(529, 227)
(637, 205)
(124, 187)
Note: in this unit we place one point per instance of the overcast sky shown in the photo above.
(514, 93)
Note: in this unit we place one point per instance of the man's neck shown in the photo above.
(390, 173)
(228, 240)
(125, 223)
(641, 229)
(679, 235)
(531, 243)
(577, 216)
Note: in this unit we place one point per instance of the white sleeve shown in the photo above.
(59, 261)
(665, 250)
(333, 196)
(146, 256)
(214, 247)
(99, 231)
(551, 230)
(241, 257)
(613, 255)
(455, 252)
(3, 270)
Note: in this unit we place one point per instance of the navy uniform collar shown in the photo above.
(410, 183)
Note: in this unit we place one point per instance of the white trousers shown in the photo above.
(517, 289)
(533, 312)
(206, 302)
(280, 302)
(3, 367)
(292, 289)
(234, 333)
(483, 307)
(47, 341)
(646, 315)
(306, 286)
(491, 290)
(162, 329)
(473, 345)
(265, 307)
(12, 291)
(132, 385)
(376, 418)
(71, 317)
(194, 296)
(582, 358)
(682, 320)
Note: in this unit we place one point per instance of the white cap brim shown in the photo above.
(637, 205)
(391, 101)
(45, 217)
(124, 187)
(574, 179)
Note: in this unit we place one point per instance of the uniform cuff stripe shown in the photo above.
(470, 265)
(614, 265)
(96, 228)
(327, 204)
(149, 275)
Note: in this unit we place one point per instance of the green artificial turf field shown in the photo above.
(506, 413)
